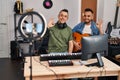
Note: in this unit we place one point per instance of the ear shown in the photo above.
(67, 17)
(92, 17)
(83, 14)
(58, 15)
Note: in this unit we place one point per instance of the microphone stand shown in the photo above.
(30, 52)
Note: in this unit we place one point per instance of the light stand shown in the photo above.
(35, 29)
(31, 41)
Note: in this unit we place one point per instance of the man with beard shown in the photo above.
(87, 27)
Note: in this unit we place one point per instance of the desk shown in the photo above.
(44, 72)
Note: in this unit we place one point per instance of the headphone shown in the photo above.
(61, 25)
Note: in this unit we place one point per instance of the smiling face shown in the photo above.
(62, 17)
(88, 17)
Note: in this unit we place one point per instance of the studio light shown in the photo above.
(34, 23)
(32, 26)
(47, 4)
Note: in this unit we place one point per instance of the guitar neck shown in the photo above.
(116, 14)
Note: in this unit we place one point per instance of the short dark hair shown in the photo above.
(65, 10)
(88, 9)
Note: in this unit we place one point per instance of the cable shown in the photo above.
(101, 71)
(105, 71)
(103, 68)
(89, 71)
(46, 67)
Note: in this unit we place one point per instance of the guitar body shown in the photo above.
(77, 38)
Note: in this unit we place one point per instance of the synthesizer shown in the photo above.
(59, 56)
(65, 62)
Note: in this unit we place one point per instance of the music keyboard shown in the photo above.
(65, 62)
(59, 56)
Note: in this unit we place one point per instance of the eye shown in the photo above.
(61, 14)
(86, 15)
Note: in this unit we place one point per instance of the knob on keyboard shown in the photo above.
(60, 62)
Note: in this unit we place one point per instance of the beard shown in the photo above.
(87, 21)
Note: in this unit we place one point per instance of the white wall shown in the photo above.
(71, 5)
(37, 5)
(105, 11)
(100, 9)
(109, 11)
(74, 11)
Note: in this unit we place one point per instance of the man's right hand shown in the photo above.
(51, 23)
(77, 46)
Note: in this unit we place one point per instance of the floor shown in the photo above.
(11, 69)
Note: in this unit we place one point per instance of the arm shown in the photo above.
(76, 45)
(70, 48)
(51, 23)
(99, 26)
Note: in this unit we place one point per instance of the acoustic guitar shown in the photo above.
(77, 38)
